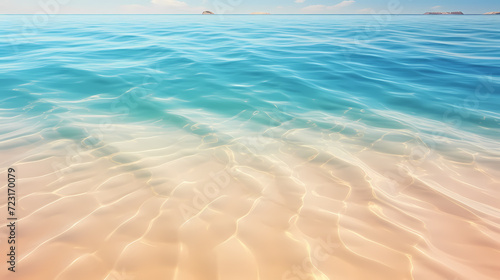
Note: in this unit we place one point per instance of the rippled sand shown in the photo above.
(295, 204)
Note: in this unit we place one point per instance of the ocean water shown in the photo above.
(252, 147)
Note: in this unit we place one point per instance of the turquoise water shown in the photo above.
(426, 68)
(325, 127)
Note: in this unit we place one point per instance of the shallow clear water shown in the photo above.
(380, 133)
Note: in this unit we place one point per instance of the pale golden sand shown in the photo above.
(151, 203)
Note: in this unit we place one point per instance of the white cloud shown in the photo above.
(321, 9)
(170, 3)
(300, 1)
(163, 7)
(436, 7)
(342, 4)
(313, 9)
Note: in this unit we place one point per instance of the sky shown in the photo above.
(246, 6)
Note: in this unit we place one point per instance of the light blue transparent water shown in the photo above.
(427, 75)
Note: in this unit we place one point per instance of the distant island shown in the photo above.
(444, 13)
(493, 13)
(208, 13)
(260, 13)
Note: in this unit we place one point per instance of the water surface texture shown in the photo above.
(252, 147)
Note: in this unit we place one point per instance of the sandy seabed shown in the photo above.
(152, 203)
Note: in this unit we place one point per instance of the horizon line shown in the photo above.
(62, 14)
